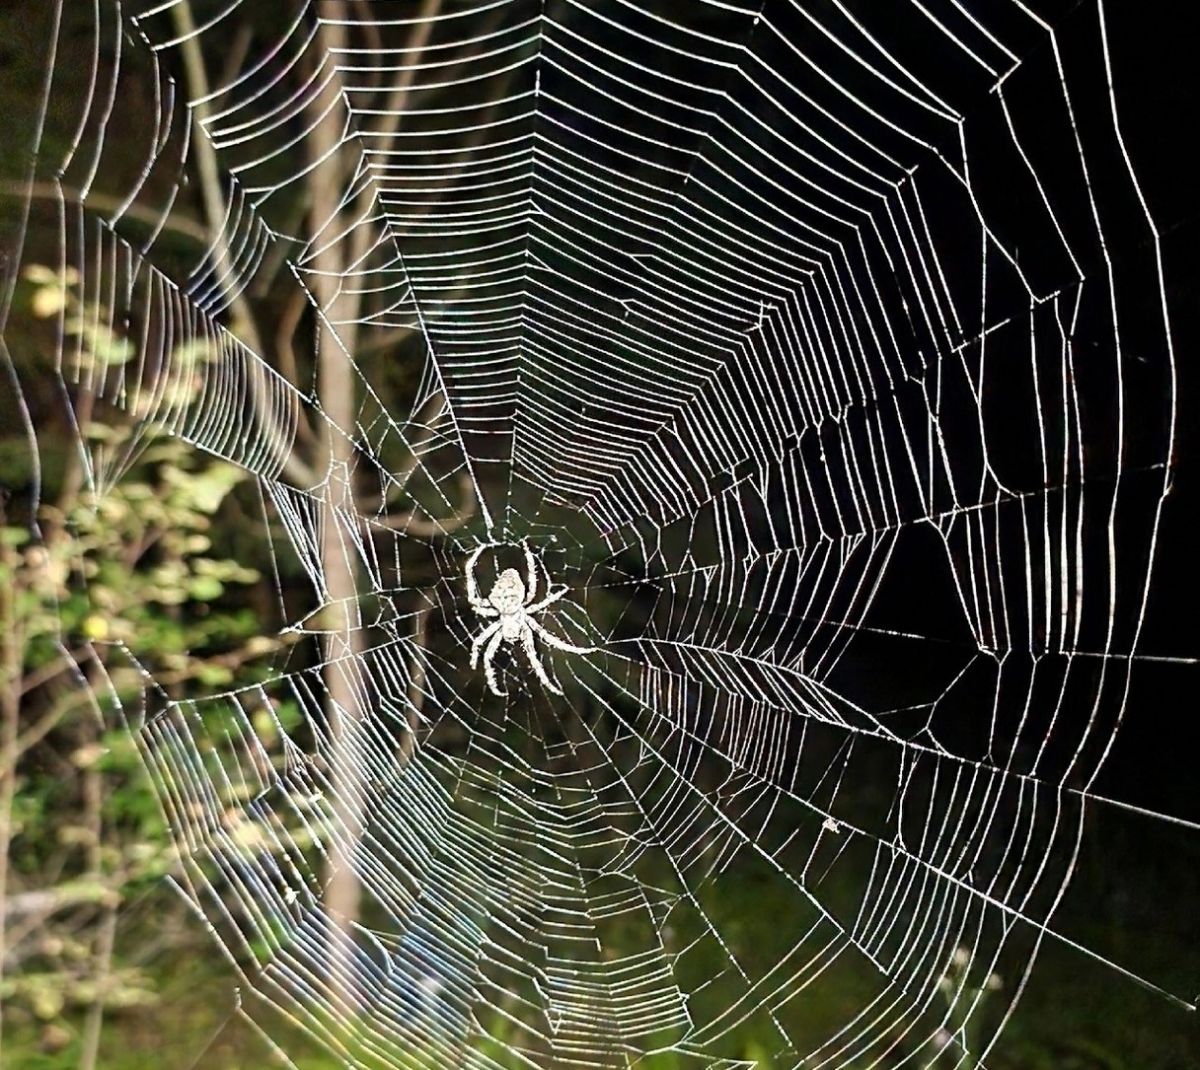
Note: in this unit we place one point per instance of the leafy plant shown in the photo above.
(116, 590)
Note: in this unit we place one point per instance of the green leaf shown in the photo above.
(205, 588)
(214, 675)
(204, 491)
(109, 347)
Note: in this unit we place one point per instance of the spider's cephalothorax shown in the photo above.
(511, 605)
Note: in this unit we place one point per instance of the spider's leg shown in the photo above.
(548, 600)
(530, 573)
(478, 641)
(534, 663)
(477, 603)
(484, 610)
(488, 655)
(560, 644)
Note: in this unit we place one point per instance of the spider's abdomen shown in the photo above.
(509, 592)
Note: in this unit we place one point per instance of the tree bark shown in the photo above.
(337, 395)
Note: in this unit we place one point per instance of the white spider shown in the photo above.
(514, 604)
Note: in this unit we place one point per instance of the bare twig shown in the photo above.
(103, 202)
(101, 964)
(394, 109)
(67, 701)
(42, 902)
(293, 312)
(430, 410)
(51, 669)
(211, 192)
(213, 197)
(275, 256)
(371, 31)
(423, 527)
(416, 682)
(237, 54)
(105, 943)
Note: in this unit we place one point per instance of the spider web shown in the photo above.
(792, 339)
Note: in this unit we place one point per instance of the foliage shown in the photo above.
(116, 579)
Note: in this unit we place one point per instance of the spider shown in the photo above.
(514, 603)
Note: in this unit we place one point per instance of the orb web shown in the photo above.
(791, 339)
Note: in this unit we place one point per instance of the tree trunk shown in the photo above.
(337, 394)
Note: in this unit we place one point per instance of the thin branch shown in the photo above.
(423, 418)
(101, 964)
(416, 683)
(411, 524)
(293, 311)
(394, 109)
(395, 105)
(371, 30)
(52, 669)
(103, 202)
(211, 191)
(275, 256)
(213, 197)
(237, 54)
(43, 902)
(106, 942)
(16, 745)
